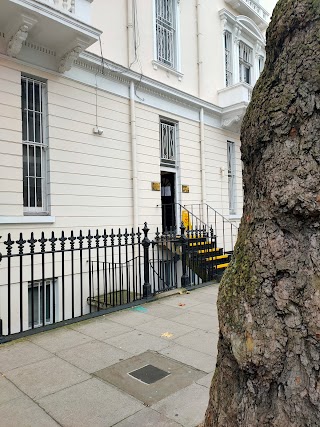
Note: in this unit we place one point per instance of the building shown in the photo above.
(117, 112)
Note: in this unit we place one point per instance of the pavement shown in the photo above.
(83, 374)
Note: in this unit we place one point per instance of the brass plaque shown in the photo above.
(155, 186)
(185, 189)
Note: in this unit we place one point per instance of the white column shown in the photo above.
(236, 41)
(134, 158)
(203, 162)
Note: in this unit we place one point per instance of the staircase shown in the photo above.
(204, 257)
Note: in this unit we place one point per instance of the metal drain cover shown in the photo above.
(149, 374)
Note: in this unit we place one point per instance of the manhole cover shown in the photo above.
(149, 374)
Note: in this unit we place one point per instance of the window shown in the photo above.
(166, 31)
(245, 62)
(260, 64)
(40, 300)
(228, 61)
(231, 177)
(167, 143)
(34, 146)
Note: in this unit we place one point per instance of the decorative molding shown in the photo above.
(157, 64)
(18, 35)
(232, 122)
(43, 49)
(27, 219)
(69, 58)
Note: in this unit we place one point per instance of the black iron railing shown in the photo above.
(54, 280)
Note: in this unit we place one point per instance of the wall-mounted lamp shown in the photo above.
(97, 131)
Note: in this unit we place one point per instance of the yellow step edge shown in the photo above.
(200, 243)
(206, 251)
(223, 265)
(217, 257)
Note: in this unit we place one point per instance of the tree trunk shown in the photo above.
(267, 371)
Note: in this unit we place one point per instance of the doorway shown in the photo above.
(168, 200)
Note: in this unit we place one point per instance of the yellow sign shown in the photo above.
(185, 189)
(155, 186)
(186, 220)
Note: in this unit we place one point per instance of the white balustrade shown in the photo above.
(62, 5)
(257, 8)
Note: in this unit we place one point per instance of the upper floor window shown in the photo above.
(167, 143)
(231, 176)
(228, 57)
(34, 146)
(166, 32)
(245, 62)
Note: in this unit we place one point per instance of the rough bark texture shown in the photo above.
(269, 301)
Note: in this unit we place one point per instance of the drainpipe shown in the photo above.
(130, 36)
(134, 157)
(199, 49)
(203, 162)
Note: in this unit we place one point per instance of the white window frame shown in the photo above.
(175, 65)
(260, 64)
(245, 62)
(168, 149)
(38, 322)
(228, 58)
(34, 147)
(231, 161)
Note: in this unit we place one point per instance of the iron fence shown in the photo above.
(60, 279)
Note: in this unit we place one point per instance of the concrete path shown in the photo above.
(52, 379)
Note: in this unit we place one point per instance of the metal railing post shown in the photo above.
(146, 244)
(184, 243)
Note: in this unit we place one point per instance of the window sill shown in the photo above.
(27, 219)
(164, 67)
(235, 217)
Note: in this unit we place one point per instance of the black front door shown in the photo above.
(168, 200)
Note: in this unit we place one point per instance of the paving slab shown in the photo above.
(164, 311)
(159, 327)
(203, 341)
(23, 412)
(137, 342)
(205, 308)
(200, 297)
(101, 328)
(20, 353)
(187, 299)
(93, 356)
(147, 418)
(196, 320)
(131, 317)
(193, 358)
(180, 376)
(59, 339)
(91, 403)
(8, 391)
(187, 406)
(206, 381)
(48, 376)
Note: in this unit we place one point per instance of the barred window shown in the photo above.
(167, 143)
(245, 62)
(34, 146)
(231, 176)
(228, 57)
(166, 32)
(40, 303)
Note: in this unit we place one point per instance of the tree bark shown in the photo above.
(268, 362)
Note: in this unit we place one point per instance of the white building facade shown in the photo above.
(111, 110)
